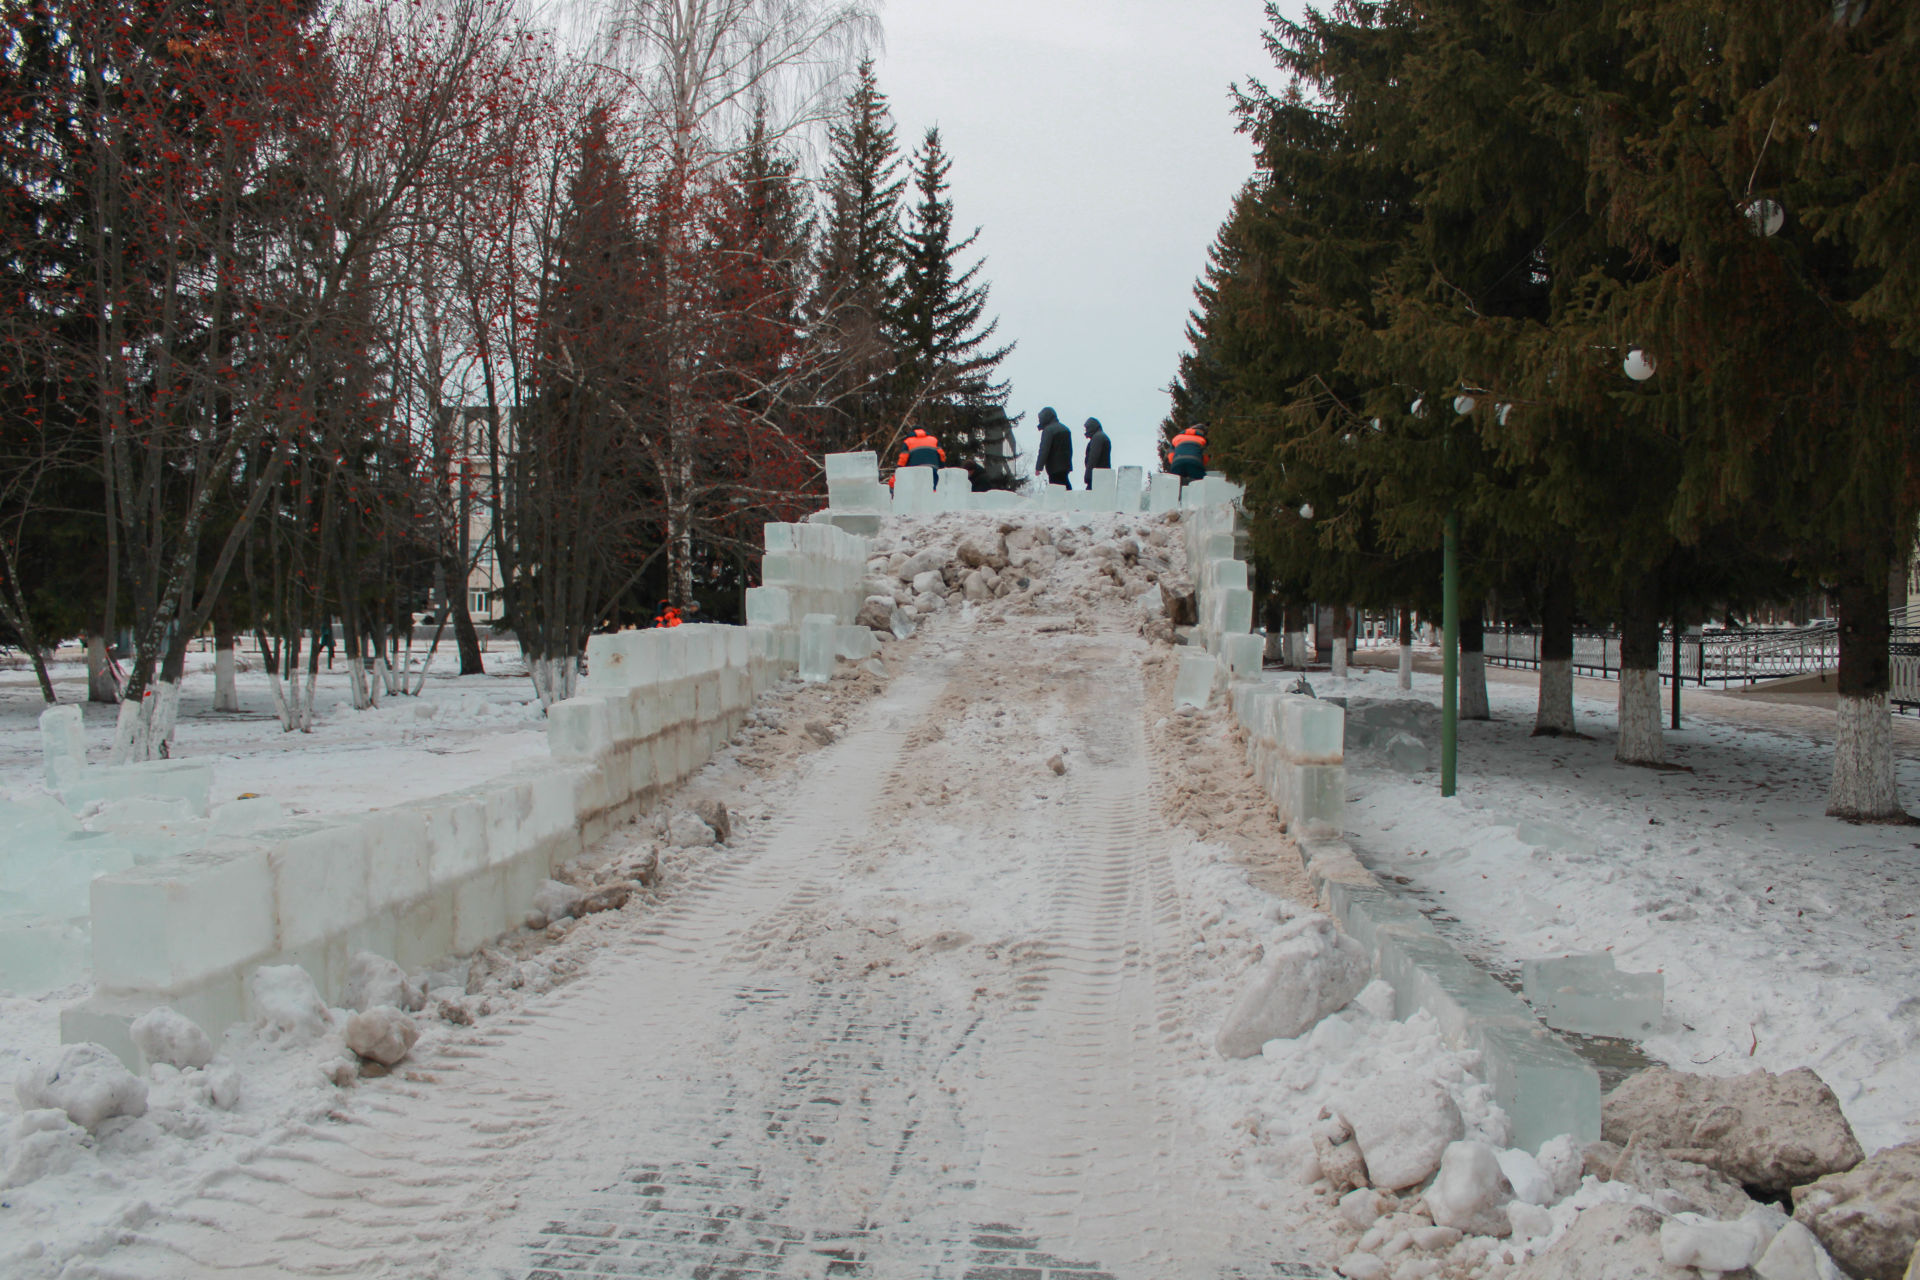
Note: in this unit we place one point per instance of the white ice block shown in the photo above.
(856, 495)
(63, 743)
(818, 638)
(240, 817)
(163, 926)
(1236, 611)
(913, 491)
(1163, 495)
(42, 955)
(1193, 685)
(1228, 573)
(319, 879)
(1245, 655)
(1312, 730)
(1545, 1088)
(190, 780)
(853, 466)
(1588, 995)
(579, 728)
(399, 856)
(855, 644)
(1126, 489)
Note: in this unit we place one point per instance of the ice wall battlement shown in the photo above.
(855, 490)
(430, 878)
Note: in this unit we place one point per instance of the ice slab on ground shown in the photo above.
(1545, 1088)
(42, 955)
(1553, 838)
(1193, 685)
(190, 780)
(1589, 995)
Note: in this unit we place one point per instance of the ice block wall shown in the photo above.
(808, 569)
(430, 878)
(1294, 743)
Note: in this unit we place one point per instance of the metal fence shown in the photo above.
(1722, 658)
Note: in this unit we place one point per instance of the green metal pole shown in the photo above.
(1450, 659)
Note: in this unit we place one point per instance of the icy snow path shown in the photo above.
(926, 1022)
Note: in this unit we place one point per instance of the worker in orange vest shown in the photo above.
(667, 617)
(921, 450)
(1187, 455)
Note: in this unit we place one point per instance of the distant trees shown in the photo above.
(308, 312)
(1477, 227)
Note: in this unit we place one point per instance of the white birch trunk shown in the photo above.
(357, 682)
(166, 712)
(1863, 782)
(1406, 666)
(282, 707)
(101, 686)
(1555, 713)
(1641, 738)
(130, 731)
(1473, 687)
(226, 692)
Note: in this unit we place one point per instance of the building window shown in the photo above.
(480, 602)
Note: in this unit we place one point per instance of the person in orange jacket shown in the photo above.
(667, 617)
(921, 450)
(1187, 455)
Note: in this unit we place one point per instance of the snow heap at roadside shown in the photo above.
(923, 566)
(1409, 1154)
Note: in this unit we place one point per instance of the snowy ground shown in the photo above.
(460, 731)
(945, 1003)
(1787, 938)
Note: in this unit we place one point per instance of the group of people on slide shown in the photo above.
(1186, 456)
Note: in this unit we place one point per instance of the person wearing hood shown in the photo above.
(1099, 449)
(1056, 450)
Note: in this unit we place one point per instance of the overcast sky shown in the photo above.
(1094, 146)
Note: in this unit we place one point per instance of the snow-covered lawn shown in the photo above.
(1787, 938)
(460, 731)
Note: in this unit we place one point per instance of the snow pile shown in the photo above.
(924, 566)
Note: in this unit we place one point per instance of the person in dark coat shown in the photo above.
(1099, 449)
(1056, 450)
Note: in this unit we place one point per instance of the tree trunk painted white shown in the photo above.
(1641, 738)
(1297, 650)
(130, 730)
(166, 713)
(1473, 687)
(1555, 712)
(1275, 648)
(226, 692)
(1339, 658)
(1406, 665)
(1863, 782)
(282, 708)
(101, 686)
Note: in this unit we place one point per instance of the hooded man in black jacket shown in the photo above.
(1056, 450)
(1099, 456)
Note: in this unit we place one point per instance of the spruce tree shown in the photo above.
(858, 276)
(945, 376)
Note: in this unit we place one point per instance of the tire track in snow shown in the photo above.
(459, 1151)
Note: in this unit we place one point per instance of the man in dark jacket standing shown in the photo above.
(1099, 449)
(1056, 450)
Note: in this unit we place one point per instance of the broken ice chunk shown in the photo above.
(1586, 994)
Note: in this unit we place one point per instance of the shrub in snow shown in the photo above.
(1313, 969)
(1770, 1132)
(285, 1002)
(87, 1083)
(375, 980)
(1404, 1122)
(162, 1035)
(1471, 1194)
(384, 1035)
